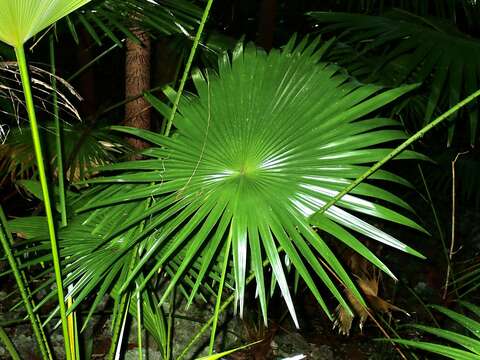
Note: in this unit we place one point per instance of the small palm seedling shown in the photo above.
(20, 20)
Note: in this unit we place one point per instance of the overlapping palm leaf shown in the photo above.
(422, 50)
(85, 147)
(267, 141)
(459, 345)
(93, 269)
(115, 20)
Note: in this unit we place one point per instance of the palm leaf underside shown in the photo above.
(263, 145)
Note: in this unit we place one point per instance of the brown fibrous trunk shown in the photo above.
(137, 81)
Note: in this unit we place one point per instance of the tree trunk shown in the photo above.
(266, 26)
(86, 84)
(137, 80)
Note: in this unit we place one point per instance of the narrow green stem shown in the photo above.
(22, 64)
(188, 66)
(90, 63)
(118, 323)
(220, 293)
(71, 319)
(418, 135)
(139, 326)
(9, 345)
(23, 288)
(171, 313)
(58, 135)
(121, 315)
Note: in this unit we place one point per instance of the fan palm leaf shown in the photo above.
(253, 166)
(85, 146)
(22, 19)
(267, 141)
(425, 49)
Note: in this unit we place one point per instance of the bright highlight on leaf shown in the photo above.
(22, 19)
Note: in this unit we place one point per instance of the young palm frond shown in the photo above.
(465, 344)
(255, 164)
(424, 49)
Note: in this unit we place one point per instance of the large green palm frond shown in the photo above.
(423, 50)
(462, 344)
(267, 141)
(22, 19)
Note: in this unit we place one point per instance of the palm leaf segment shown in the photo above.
(465, 343)
(115, 19)
(267, 141)
(22, 19)
(424, 50)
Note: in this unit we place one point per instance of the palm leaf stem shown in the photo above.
(23, 288)
(220, 293)
(171, 312)
(58, 135)
(22, 63)
(127, 100)
(90, 63)
(418, 135)
(9, 345)
(72, 330)
(139, 326)
(122, 312)
(118, 321)
(188, 66)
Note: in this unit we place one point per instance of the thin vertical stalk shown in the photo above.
(418, 135)
(23, 288)
(171, 312)
(220, 293)
(435, 214)
(121, 315)
(58, 135)
(188, 66)
(22, 64)
(452, 235)
(139, 325)
(8, 345)
(72, 330)
(118, 324)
